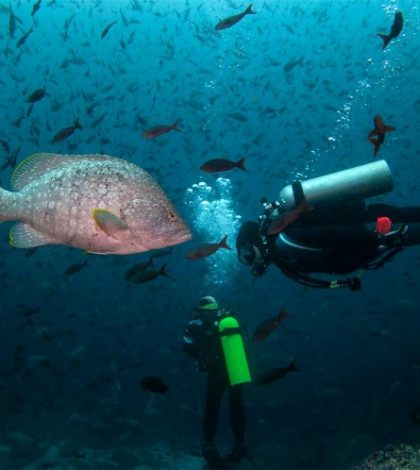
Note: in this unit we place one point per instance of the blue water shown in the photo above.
(293, 89)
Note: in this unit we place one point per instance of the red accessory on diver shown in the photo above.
(383, 225)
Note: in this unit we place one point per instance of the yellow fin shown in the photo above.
(108, 222)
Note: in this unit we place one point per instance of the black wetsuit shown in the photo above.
(332, 240)
(343, 240)
(202, 342)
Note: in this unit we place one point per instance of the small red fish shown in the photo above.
(281, 223)
(268, 326)
(207, 249)
(379, 130)
(66, 132)
(160, 129)
(232, 20)
(222, 164)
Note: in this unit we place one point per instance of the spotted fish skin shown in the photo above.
(98, 203)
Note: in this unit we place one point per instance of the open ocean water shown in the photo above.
(293, 89)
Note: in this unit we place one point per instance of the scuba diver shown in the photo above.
(323, 225)
(213, 338)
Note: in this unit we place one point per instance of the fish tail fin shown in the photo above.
(175, 125)
(249, 10)
(223, 243)
(376, 144)
(5, 204)
(292, 367)
(385, 38)
(241, 164)
(389, 128)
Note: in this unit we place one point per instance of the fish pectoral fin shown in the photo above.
(389, 128)
(372, 133)
(24, 236)
(109, 222)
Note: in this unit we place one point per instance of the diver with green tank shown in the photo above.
(216, 340)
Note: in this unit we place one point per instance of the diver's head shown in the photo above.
(246, 241)
(207, 304)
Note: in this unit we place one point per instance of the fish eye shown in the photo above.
(171, 216)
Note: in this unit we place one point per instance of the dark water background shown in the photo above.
(294, 89)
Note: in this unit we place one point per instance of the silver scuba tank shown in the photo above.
(362, 181)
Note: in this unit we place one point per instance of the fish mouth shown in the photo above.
(182, 235)
(179, 236)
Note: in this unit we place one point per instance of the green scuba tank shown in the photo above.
(234, 351)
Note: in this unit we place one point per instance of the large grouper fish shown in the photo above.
(101, 204)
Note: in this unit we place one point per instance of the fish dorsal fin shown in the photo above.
(35, 166)
(109, 222)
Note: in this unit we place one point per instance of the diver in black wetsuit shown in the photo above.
(338, 235)
(202, 342)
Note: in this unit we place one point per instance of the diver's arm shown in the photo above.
(191, 341)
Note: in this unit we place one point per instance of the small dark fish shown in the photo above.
(30, 312)
(379, 130)
(160, 129)
(132, 273)
(238, 117)
(281, 223)
(66, 132)
(148, 275)
(396, 28)
(23, 39)
(268, 326)
(75, 268)
(153, 384)
(37, 95)
(292, 64)
(5, 145)
(207, 249)
(275, 374)
(222, 164)
(232, 20)
(36, 7)
(105, 31)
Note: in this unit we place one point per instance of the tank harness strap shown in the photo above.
(353, 283)
(231, 331)
(298, 193)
